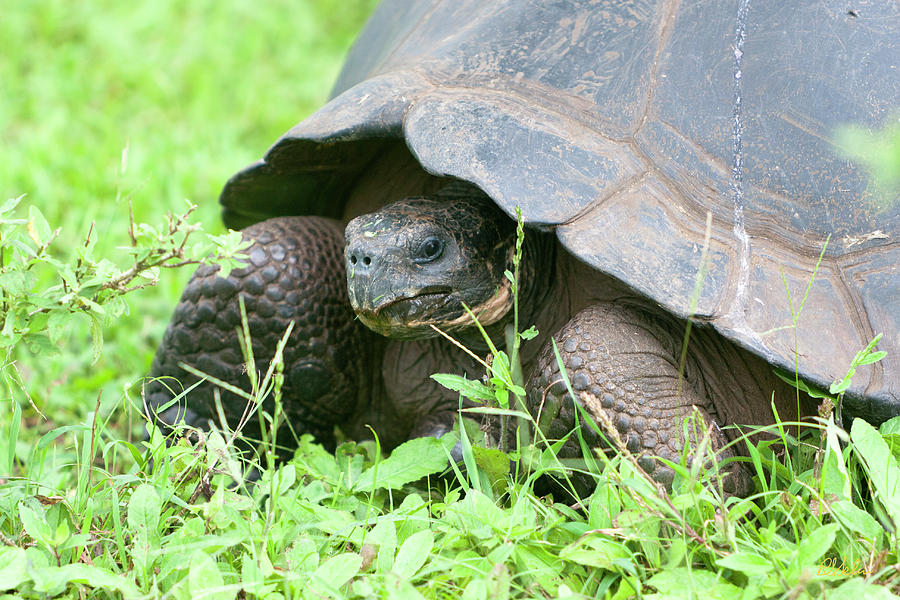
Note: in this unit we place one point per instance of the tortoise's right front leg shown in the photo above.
(295, 273)
(623, 362)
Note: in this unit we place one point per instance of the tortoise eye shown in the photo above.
(429, 250)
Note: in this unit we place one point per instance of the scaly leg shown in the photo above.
(626, 360)
(295, 273)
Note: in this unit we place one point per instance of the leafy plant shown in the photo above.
(44, 292)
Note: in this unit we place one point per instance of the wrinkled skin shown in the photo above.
(416, 262)
(410, 267)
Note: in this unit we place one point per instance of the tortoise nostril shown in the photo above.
(367, 261)
(352, 259)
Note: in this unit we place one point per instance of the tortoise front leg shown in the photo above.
(295, 273)
(625, 363)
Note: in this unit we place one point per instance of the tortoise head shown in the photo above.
(420, 261)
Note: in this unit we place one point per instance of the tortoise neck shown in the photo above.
(535, 280)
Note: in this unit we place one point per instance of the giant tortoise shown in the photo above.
(673, 162)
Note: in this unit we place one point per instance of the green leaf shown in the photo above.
(35, 524)
(604, 504)
(469, 388)
(251, 575)
(500, 366)
(857, 589)
(398, 589)
(747, 563)
(874, 357)
(494, 463)
(881, 466)
(597, 551)
(839, 387)
(801, 385)
(204, 578)
(96, 338)
(529, 333)
(688, 584)
(144, 510)
(52, 580)
(477, 588)
(835, 479)
(500, 393)
(51, 436)
(10, 205)
(99, 579)
(38, 228)
(57, 323)
(74, 541)
(413, 553)
(334, 573)
(316, 460)
(856, 519)
(219, 456)
(816, 544)
(541, 564)
(409, 462)
(61, 534)
(864, 357)
(891, 426)
(350, 459)
(26, 250)
(12, 567)
(14, 283)
(628, 588)
(385, 535)
(39, 344)
(302, 555)
(476, 514)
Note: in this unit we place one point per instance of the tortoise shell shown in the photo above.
(646, 134)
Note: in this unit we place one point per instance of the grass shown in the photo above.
(194, 91)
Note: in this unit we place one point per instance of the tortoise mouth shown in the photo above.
(407, 317)
(433, 296)
(413, 317)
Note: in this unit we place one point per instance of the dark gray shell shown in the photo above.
(624, 126)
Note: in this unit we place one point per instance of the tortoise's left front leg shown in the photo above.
(295, 274)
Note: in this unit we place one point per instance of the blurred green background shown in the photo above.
(194, 90)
